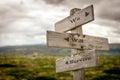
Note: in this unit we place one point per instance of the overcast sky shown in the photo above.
(26, 21)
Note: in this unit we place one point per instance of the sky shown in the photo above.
(25, 22)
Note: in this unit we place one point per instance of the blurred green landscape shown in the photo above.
(43, 49)
(23, 63)
(43, 68)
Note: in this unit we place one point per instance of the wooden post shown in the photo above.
(77, 74)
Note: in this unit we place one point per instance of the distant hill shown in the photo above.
(114, 48)
(43, 49)
(115, 45)
(30, 49)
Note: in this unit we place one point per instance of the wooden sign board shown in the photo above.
(88, 59)
(79, 18)
(76, 41)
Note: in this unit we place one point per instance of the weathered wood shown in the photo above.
(76, 41)
(80, 17)
(79, 74)
(79, 61)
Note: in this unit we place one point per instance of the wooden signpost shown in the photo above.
(84, 46)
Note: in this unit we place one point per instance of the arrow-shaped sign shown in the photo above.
(76, 41)
(87, 59)
(79, 18)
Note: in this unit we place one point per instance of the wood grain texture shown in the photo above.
(80, 17)
(76, 41)
(79, 61)
(80, 73)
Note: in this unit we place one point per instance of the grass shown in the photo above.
(108, 69)
(43, 68)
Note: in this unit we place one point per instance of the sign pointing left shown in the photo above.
(85, 60)
(76, 41)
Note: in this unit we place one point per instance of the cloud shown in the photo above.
(107, 15)
(71, 3)
(10, 13)
(26, 21)
(54, 2)
(110, 11)
(20, 39)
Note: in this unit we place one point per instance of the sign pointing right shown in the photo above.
(79, 18)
